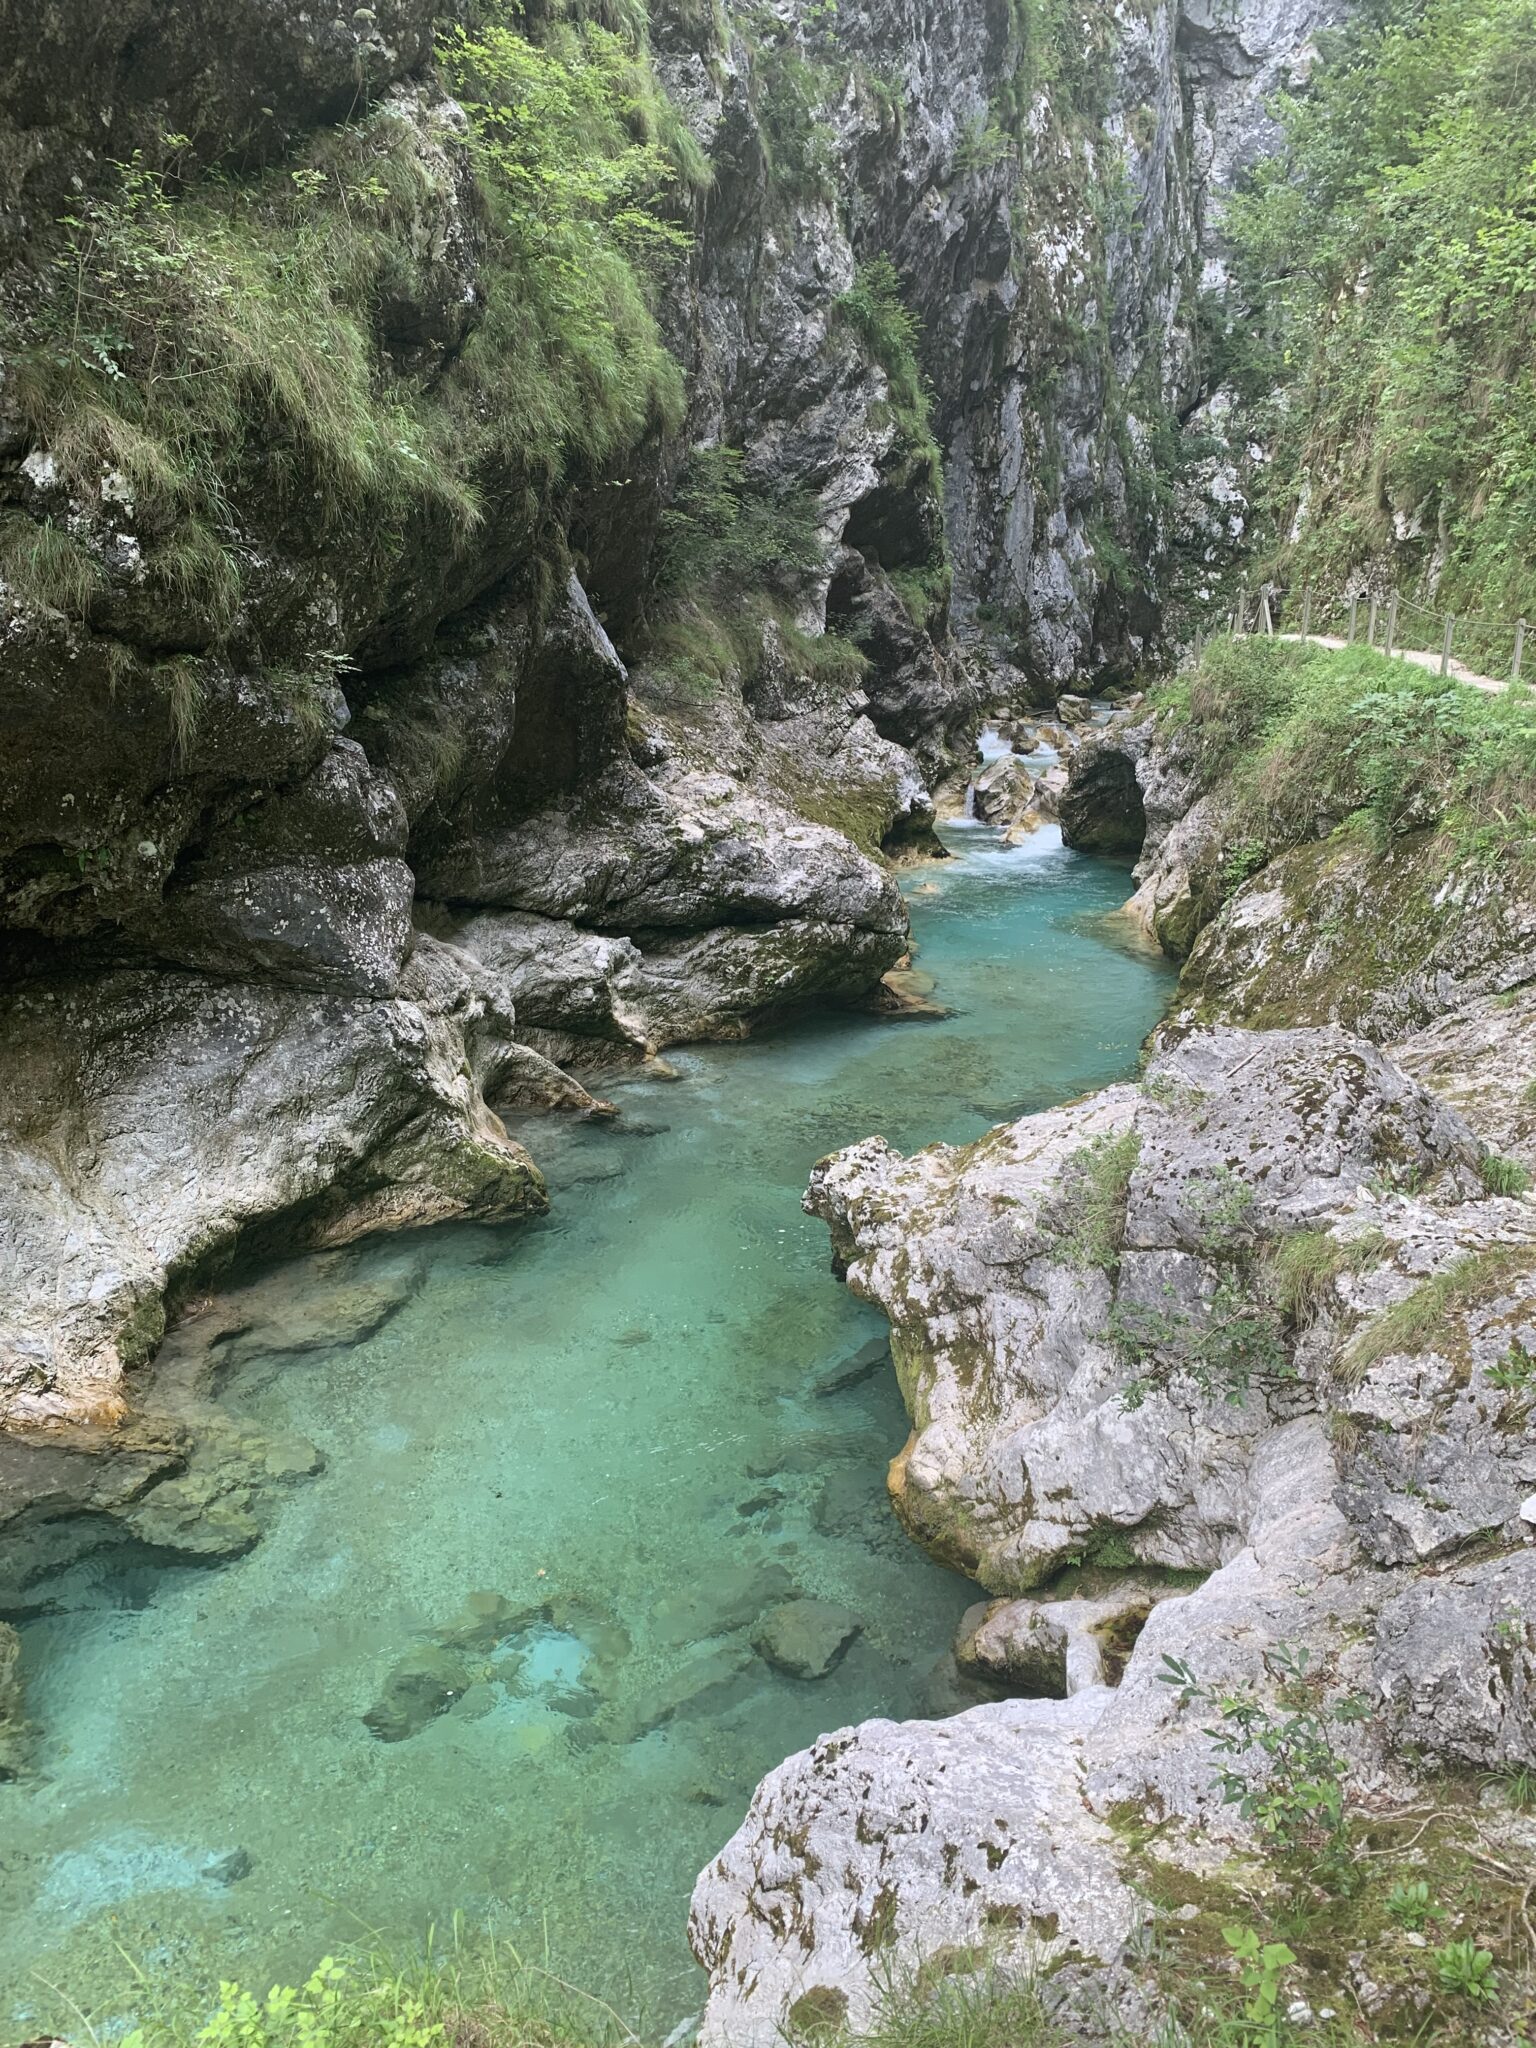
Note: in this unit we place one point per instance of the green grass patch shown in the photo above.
(1302, 1268)
(1423, 1319)
(1097, 1177)
(1502, 1176)
(1300, 733)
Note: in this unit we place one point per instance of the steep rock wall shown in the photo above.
(397, 667)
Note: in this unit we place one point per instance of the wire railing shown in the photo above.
(1386, 625)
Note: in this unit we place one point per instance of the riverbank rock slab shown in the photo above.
(885, 1843)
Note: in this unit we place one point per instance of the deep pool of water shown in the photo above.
(614, 1411)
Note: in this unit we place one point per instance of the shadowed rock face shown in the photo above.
(1101, 808)
(239, 79)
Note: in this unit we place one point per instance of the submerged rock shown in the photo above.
(805, 1638)
(424, 1684)
(15, 1734)
(727, 1599)
(845, 1374)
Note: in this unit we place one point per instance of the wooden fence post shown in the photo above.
(1370, 629)
(1519, 649)
(1354, 612)
(1391, 638)
(1242, 611)
(1266, 617)
(1445, 645)
(1306, 612)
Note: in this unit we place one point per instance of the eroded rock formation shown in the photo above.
(1195, 1326)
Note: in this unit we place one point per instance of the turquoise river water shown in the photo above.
(614, 1411)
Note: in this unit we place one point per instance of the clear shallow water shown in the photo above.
(612, 1411)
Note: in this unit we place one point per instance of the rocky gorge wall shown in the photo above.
(314, 723)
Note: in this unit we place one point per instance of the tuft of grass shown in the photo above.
(1097, 1178)
(465, 1991)
(1302, 1268)
(1502, 1176)
(44, 565)
(958, 2001)
(1422, 1318)
(1517, 1785)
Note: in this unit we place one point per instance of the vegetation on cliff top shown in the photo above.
(1390, 247)
(1298, 732)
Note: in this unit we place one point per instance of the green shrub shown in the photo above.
(725, 533)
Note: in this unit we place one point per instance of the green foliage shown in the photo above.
(1297, 732)
(1516, 1372)
(1095, 1184)
(1303, 1268)
(790, 93)
(1502, 1176)
(1240, 861)
(1390, 248)
(208, 347)
(1261, 1968)
(1296, 1795)
(1233, 1337)
(724, 533)
(1466, 1971)
(1232, 1341)
(44, 564)
(924, 592)
(1518, 1783)
(878, 313)
(468, 1989)
(983, 143)
(970, 2006)
(732, 556)
(1410, 1905)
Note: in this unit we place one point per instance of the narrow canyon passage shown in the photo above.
(639, 1415)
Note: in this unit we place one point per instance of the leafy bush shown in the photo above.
(1296, 1795)
(724, 533)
